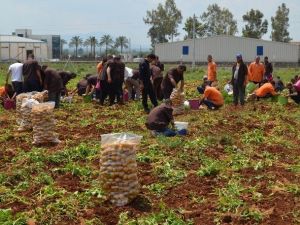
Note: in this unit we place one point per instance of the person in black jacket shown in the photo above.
(146, 85)
(238, 80)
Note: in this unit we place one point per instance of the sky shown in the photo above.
(122, 17)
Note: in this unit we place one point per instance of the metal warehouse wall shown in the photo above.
(224, 49)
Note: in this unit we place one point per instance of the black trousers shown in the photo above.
(115, 91)
(296, 98)
(105, 89)
(18, 86)
(148, 91)
(32, 85)
(238, 93)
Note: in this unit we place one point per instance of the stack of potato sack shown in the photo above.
(25, 114)
(177, 97)
(118, 167)
(42, 117)
(24, 103)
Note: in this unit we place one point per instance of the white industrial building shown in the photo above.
(224, 49)
(18, 48)
(53, 41)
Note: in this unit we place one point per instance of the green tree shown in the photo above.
(76, 41)
(92, 42)
(219, 21)
(164, 22)
(280, 24)
(121, 42)
(62, 43)
(200, 29)
(107, 41)
(255, 27)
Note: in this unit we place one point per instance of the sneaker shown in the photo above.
(147, 111)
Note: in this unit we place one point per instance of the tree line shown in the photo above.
(165, 19)
(91, 42)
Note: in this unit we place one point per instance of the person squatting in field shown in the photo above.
(294, 91)
(212, 97)
(160, 118)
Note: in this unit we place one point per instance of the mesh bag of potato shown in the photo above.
(25, 114)
(118, 167)
(19, 100)
(42, 118)
(38, 96)
(177, 97)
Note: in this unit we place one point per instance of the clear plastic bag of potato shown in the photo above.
(118, 167)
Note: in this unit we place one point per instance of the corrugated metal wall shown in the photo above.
(224, 49)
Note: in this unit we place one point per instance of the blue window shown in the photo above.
(185, 50)
(260, 50)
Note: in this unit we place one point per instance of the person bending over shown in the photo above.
(160, 118)
(212, 97)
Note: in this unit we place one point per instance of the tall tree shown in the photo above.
(76, 41)
(219, 21)
(92, 42)
(62, 43)
(200, 29)
(164, 22)
(280, 24)
(255, 27)
(107, 41)
(121, 42)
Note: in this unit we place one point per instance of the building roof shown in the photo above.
(17, 39)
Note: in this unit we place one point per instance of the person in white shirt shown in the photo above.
(132, 82)
(15, 70)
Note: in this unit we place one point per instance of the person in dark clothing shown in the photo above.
(159, 119)
(81, 86)
(279, 85)
(157, 78)
(66, 76)
(54, 85)
(32, 75)
(172, 78)
(268, 69)
(105, 85)
(238, 80)
(293, 93)
(91, 84)
(115, 74)
(146, 85)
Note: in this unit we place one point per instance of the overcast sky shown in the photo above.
(121, 17)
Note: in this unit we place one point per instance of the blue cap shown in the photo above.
(239, 55)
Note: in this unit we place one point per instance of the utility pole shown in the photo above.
(194, 24)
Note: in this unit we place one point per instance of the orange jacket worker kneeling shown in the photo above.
(212, 97)
(266, 90)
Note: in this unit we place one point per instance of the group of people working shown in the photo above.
(30, 77)
(147, 81)
(257, 73)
